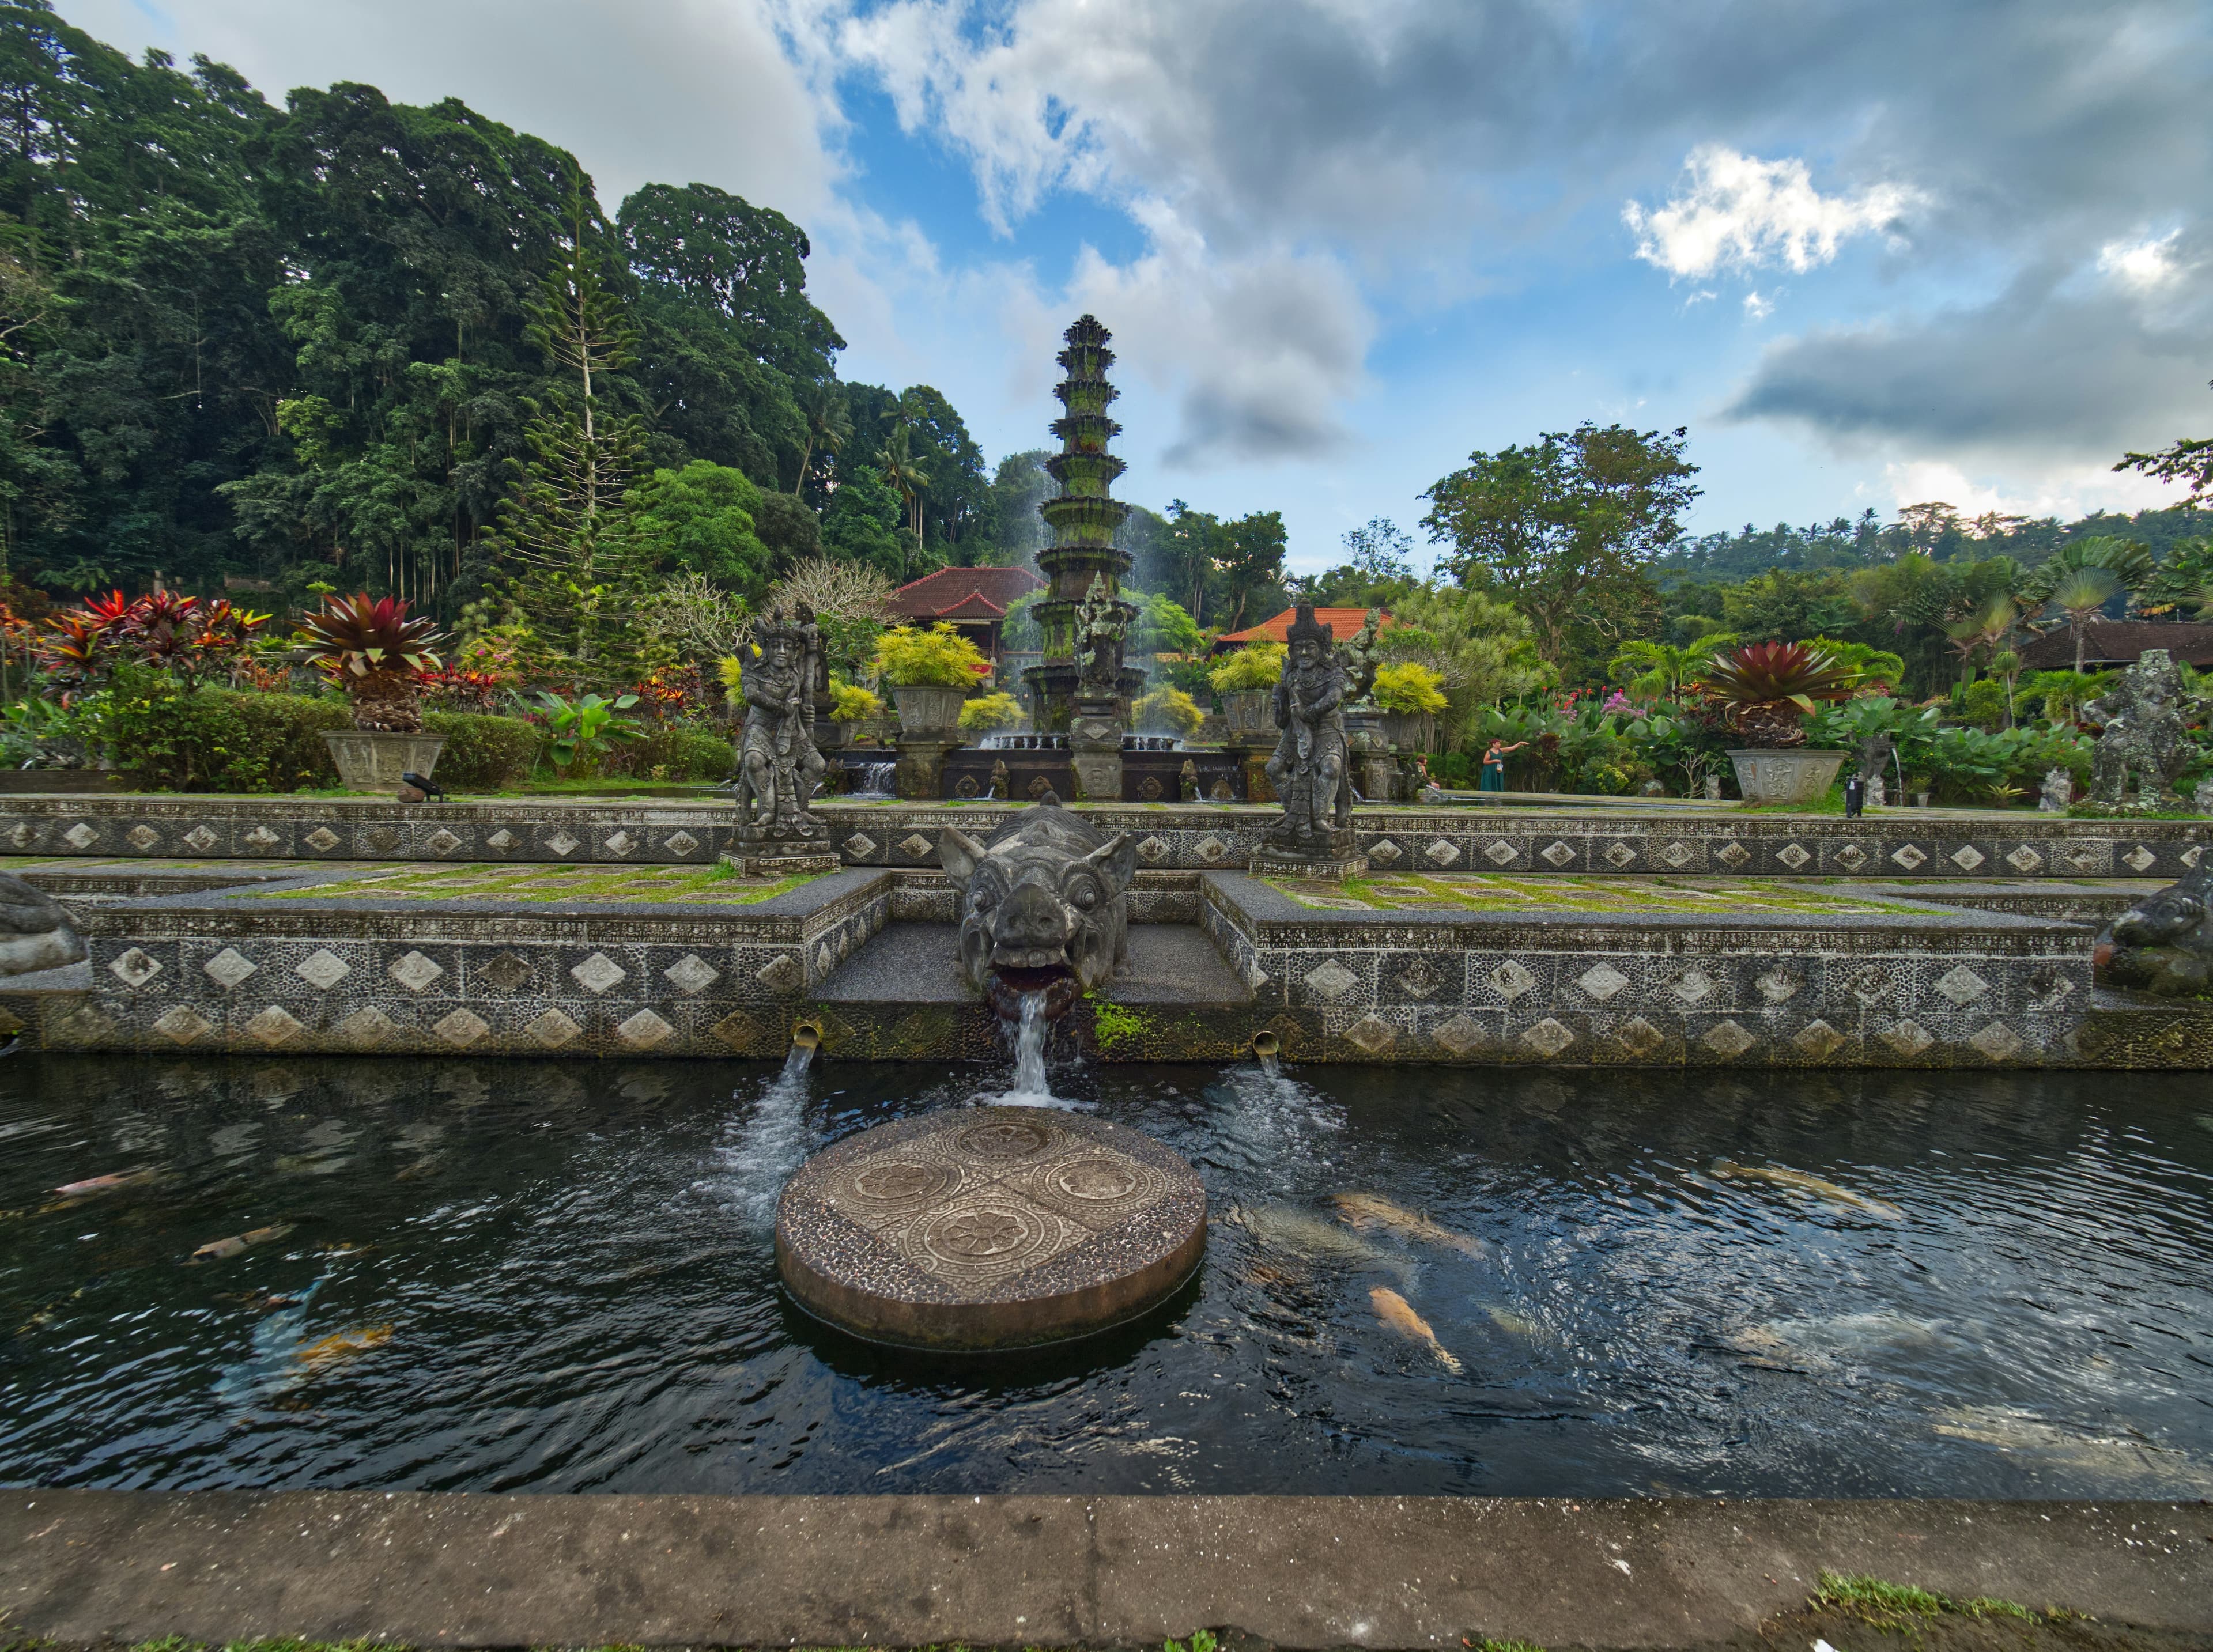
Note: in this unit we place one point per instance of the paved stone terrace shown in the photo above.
(1689, 839)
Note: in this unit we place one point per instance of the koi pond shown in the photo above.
(558, 1277)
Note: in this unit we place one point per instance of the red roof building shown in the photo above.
(1341, 623)
(974, 600)
(2108, 643)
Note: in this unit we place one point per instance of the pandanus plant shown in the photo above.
(378, 654)
(1766, 689)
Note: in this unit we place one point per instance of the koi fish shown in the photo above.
(221, 1250)
(1285, 1228)
(1366, 1210)
(1798, 1181)
(136, 1176)
(1396, 1311)
(342, 1344)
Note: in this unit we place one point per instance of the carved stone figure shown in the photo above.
(35, 933)
(2164, 943)
(1044, 907)
(1308, 769)
(1874, 756)
(2143, 736)
(2057, 792)
(778, 766)
(1100, 624)
(1357, 653)
(1187, 781)
(1002, 786)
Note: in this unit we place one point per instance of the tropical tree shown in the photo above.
(829, 423)
(2129, 561)
(2080, 596)
(906, 478)
(1660, 671)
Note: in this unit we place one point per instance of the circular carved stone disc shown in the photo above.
(989, 1228)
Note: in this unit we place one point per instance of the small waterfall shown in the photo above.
(1271, 1066)
(759, 1154)
(877, 779)
(1031, 1086)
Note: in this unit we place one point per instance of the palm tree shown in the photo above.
(1981, 633)
(905, 479)
(2128, 561)
(2079, 594)
(1661, 669)
(822, 408)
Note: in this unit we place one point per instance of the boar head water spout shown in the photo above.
(1043, 906)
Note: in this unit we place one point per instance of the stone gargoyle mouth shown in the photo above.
(1031, 970)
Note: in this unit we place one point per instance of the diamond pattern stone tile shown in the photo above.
(143, 837)
(1871, 984)
(620, 843)
(1998, 1041)
(1372, 1034)
(367, 1026)
(1154, 850)
(692, 974)
(80, 835)
(2024, 859)
(507, 972)
(1817, 1039)
(1732, 854)
(1386, 853)
(914, 846)
(1728, 1039)
(135, 968)
(1778, 985)
(441, 842)
(1500, 853)
(1458, 1036)
(1907, 856)
(1210, 848)
(1330, 981)
(1693, 987)
(2140, 859)
(1619, 855)
(1961, 984)
(598, 972)
(322, 969)
(1639, 1037)
(1509, 980)
(1967, 858)
(415, 972)
(644, 1031)
(1558, 854)
(322, 839)
(1675, 856)
(272, 1026)
(1441, 854)
(262, 839)
(735, 1029)
(1852, 857)
(183, 1024)
(1601, 981)
(553, 1030)
(1909, 1038)
(1547, 1038)
(228, 967)
(860, 845)
(563, 843)
(503, 841)
(679, 843)
(1792, 855)
(782, 973)
(462, 1029)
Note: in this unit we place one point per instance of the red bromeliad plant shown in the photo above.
(378, 654)
(166, 630)
(1765, 689)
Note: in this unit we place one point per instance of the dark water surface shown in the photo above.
(556, 1277)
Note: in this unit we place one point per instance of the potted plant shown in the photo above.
(1411, 695)
(1246, 680)
(929, 673)
(1764, 692)
(378, 655)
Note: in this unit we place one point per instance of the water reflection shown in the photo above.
(557, 1275)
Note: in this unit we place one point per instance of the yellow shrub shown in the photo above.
(1168, 707)
(852, 704)
(988, 711)
(940, 657)
(1408, 685)
(1257, 665)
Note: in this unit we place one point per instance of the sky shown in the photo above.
(1869, 252)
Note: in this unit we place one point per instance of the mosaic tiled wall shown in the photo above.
(179, 975)
(1984, 991)
(1902, 844)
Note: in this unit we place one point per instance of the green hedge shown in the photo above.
(483, 753)
(215, 740)
(683, 754)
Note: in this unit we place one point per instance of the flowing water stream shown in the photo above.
(558, 1277)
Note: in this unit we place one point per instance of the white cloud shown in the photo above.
(1737, 210)
(2146, 267)
(2063, 491)
(1757, 309)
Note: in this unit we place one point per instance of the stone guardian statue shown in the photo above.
(778, 766)
(2145, 717)
(1308, 769)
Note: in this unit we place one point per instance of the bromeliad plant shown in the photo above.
(378, 655)
(1767, 690)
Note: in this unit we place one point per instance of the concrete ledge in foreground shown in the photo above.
(431, 1570)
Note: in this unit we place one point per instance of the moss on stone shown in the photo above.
(1113, 1024)
(535, 884)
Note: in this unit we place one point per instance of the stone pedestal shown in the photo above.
(781, 860)
(1332, 855)
(1094, 746)
(918, 776)
(984, 1228)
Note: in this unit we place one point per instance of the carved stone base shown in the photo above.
(761, 860)
(917, 780)
(1379, 776)
(1094, 746)
(1280, 863)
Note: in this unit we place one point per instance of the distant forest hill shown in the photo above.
(1934, 529)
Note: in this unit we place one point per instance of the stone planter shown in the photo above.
(1249, 716)
(928, 712)
(1411, 731)
(370, 761)
(1794, 775)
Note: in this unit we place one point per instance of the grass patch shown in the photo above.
(535, 885)
(1883, 1604)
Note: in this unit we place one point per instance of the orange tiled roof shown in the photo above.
(1341, 623)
